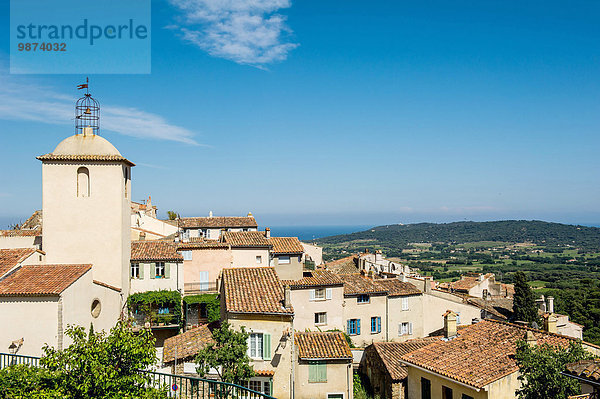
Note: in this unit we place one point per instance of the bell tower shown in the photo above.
(86, 200)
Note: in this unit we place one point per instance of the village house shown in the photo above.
(558, 323)
(474, 362)
(255, 299)
(287, 257)
(479, 286)
(318, 298)
(179, 352)
(211, 227)
(155, 265)
(324, 366)
(146, 226)
(375, 262)
(381, 365)
(587, 372)
(11, 259)
(21, 238)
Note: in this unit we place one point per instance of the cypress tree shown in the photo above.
(524, 307)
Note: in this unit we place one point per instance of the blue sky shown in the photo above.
(312, 112)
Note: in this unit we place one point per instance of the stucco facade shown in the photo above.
(339, 381)
(437, 302)
(405, 309)
(306, 308)
(353, 310)
(290, 269)
(147, 281)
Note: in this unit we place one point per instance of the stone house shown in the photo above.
(381, 365)
(254, 299)
(155, 265)
(323, 367)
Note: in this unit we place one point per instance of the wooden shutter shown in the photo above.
(167, 270)
(409, 328)
(328, 292)
(322, 371)
(267, 346)
(312, 372)
(141, 276)
(152, 270)
(379, 324)
(358, 326)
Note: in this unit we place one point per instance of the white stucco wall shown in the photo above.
(305, 309)
(147, 283)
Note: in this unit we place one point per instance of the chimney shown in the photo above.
(210, 214)
(550, 323)
(530, 339)
(267, 232)
(541, 303)
(449, 324)
(402, 277)
(427, 285)
(550, 304)
(249, 214)
(287, 302)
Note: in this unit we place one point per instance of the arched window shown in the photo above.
(83, 182)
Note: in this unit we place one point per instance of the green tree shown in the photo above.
(228, 355)
(540, 370)
(524, 308)
(172, 215)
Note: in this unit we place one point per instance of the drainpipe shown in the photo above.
(348, 379)
(387, 319)
(293, 350)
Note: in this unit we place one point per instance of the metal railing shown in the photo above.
(179, 386)
(199, 287)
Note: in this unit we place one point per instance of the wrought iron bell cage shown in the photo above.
(87, 114)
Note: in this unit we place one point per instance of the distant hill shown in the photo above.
(396, 236)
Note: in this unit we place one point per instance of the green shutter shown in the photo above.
(322, 372)
(152, 270)
(142, 265)
(267, 346)
(312, 372)
(167, 270)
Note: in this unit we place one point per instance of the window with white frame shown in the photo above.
(405, 303)
(405, 328)
(284, 259)
(187, 255)
(258, 259)
(159, 270)
(363, 298)
(319, 293)
(207, 233)
(135, 270)
(321, 318)
(255, 345)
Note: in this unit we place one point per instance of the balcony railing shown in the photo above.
(155, 319)
(178, 385)
(198, 287)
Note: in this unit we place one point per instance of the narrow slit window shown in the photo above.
(83, 182)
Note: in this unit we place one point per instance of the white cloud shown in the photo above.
(29, 102)
(244, 31)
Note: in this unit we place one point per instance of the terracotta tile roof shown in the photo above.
(33, 222)
(322, 345)
(21, 233)
(355, 284)
(481, 353)
(253, 290)
(264, 373)
(102, 284)
(390, 354)
(586, 369)
(10, 258)
(286, 245)
(149, 232)
(188, 344)
(345, 265)
(246, 239)
(201, 243)
(218, 222)
(467, 282)
(41, 280)
(315, 278)
(92, 158)
(499, 307)
(155, 250)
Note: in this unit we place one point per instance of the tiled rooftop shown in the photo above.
(246, 239)
(41, 280)
(201, 243)
(188, 344)
(345, 265)
(481, 354)
(155, 250)
(20, 233)
(10, 258)
(218, 222)
(253, 290)
(93, 158)
(355, 284)
(322, 345)
(286, 245)
(467, 282)
(315, 278)
(391, 352)
(587, 369)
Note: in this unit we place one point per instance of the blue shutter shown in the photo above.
(379, 324)
(358, 326)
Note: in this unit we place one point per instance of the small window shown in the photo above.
(457, 318)
(258, 259)
(255, 346)
(207, 233)
(319, 293)
(321, 318)
(317, 371)
(446, 392)
(284, 260)
(425, 388)
(160, 269)
(375, 325)
(405, 328)
(405, 303)
(362, 298)
(83, 182)
(135, 270)
(96, 308)
(353, 327)
(187, 255)
(255, 385)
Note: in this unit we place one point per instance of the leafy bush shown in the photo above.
(213, 306)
